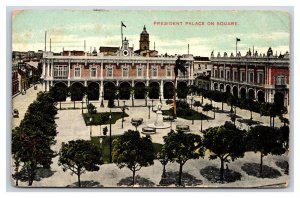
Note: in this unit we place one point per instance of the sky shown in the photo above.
(69, 28)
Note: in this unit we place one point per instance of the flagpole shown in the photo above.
(236, 47)
(122, 32)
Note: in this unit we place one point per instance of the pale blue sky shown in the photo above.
(69, 29)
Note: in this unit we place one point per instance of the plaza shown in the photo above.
(71, 126)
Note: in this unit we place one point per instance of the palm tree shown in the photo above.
(179, 66)
(147, 90)
(132, 95)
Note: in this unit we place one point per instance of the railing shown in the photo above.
(116, 78)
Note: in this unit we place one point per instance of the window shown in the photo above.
(60, 72)
(205, 66)
(227, 75)
(280, 80)
(109, 71)
(251, 77)
(77, 72)
(125, 72)
(139, 72)
(93, 72)
(221, 74)
(216, 73)
(168, 72)
(154, 72)
(235, 76)
(260, 78)
(242, 76)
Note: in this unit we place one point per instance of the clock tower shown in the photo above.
(144, 40)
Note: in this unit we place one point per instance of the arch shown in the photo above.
(154, 90)
(251, 94)
(92, 91)
(168, 90)
(124, 90)
(109, 90)
(215, 86)
(235, 91)
(75, 82)
(261, 96)
(139, 90)
(279, 98)
(243, 92)
(60, 91)
(60, 82)
(221, 87)
(77, 91)
(182, 90)
(228, 89)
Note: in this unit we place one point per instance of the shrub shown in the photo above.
(91, 108)
(111, 103)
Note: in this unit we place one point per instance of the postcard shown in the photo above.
(150, 98)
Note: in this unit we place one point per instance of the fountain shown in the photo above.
(159, 124)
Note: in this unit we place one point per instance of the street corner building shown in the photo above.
(258, 76)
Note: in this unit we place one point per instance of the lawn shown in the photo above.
(96, 117)
(195, 115)
(105, 146)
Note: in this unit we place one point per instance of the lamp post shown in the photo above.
(159, 97)
(110, 157)
(192, 98)
(91, 119)
(81, 106)
(123, 112)
(152, 104)
(149, 112)
(170, 113)
(102, 105)
(201, 121)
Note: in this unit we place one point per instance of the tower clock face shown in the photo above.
(125, 53)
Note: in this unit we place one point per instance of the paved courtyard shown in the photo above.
(70, 126)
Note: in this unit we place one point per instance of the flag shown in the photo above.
(237, 39)
(122, 24)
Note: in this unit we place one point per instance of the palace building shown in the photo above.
(101, 72)
(260, 77)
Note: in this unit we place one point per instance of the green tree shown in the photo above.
(197, 104)
(32, 149)
(284, 135)
(268, 109)
(265, 140)
(77, 93)
(220, 97)
(181, 147)
(32, 140)
(16, 151)
(179, 66)
(225, 142)
(232, 101)
(59, 94)
(132, 151)
(79, 156)
(207, 108)
(248, 104)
